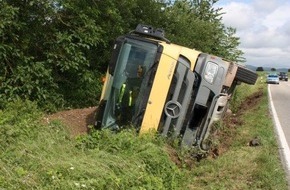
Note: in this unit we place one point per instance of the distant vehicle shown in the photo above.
(283, 76)
(272, 79)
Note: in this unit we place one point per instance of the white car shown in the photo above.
(272, 79)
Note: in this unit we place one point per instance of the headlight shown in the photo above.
(210, 72)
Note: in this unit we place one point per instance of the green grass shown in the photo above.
(36, 155)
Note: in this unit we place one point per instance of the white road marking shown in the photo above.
(282, 139)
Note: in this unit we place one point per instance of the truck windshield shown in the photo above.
(129, 81)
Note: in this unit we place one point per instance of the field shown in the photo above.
(55, 152)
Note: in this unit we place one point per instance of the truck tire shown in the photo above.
(245, 75)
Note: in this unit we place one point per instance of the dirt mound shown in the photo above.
(77, 120)
(251, 101)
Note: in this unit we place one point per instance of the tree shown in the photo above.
(185, 28)
(197, 24)
(229, 44)
(260, 69)
(46, 50)
(24, 74)
(273, 69)
(53, 52)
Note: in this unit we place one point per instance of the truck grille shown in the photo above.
(178, 100)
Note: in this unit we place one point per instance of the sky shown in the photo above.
(263, 27)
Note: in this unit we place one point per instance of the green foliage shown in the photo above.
(54, 52)
(229, 50)
(34, 82)
(15, 123)
(147, 151)
(47, 47)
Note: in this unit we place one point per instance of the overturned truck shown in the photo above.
(154, 84)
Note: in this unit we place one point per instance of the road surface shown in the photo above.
(279, 97)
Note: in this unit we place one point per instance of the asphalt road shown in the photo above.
(279, 97)
(281, 100)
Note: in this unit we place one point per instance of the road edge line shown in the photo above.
(283, 143)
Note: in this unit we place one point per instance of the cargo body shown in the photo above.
(152, 84)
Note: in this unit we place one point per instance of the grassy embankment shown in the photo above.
(35, 155)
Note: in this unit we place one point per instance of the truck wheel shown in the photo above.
(245, 75)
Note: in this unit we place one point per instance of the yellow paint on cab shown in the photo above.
(162, 81)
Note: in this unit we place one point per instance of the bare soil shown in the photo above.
(76, 120)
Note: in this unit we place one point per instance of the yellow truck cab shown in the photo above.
(152, 84)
